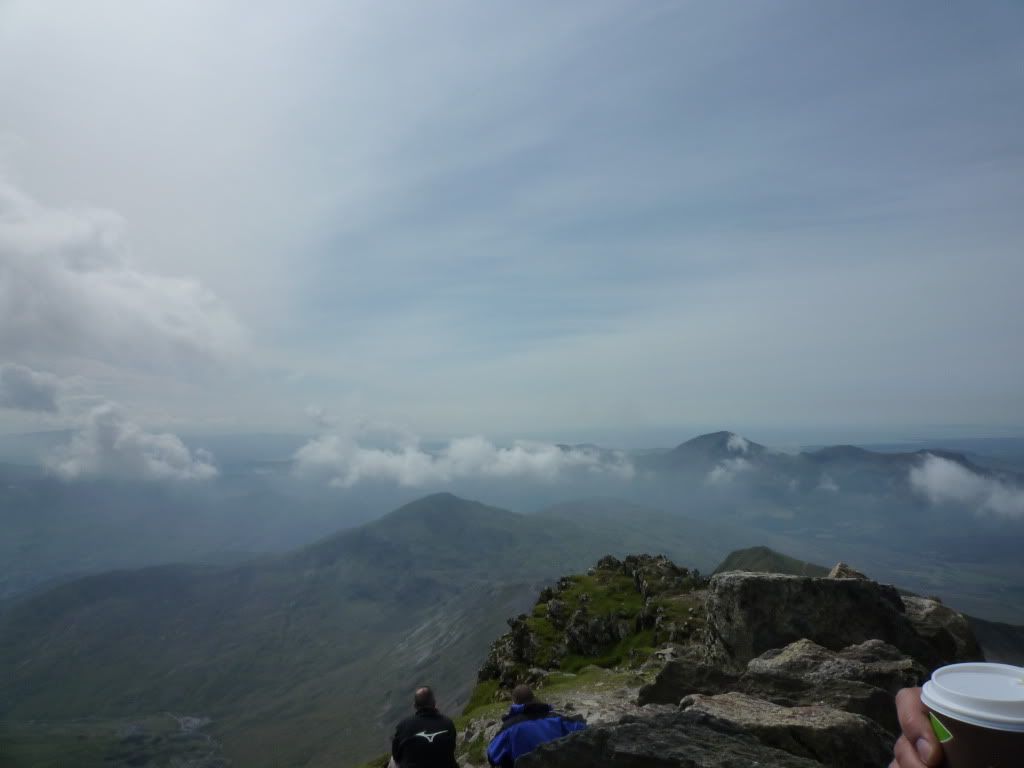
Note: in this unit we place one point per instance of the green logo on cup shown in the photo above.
(940, 730)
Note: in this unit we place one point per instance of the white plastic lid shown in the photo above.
(987, 695)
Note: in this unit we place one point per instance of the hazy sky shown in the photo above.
(510, 218)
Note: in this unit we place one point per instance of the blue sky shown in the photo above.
(509, 219)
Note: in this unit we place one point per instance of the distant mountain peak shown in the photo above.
(441, 503)
(722, 443)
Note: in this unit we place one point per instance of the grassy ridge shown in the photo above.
(765, 560)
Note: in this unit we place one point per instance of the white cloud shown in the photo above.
(24, 389)
(68, 289)
(346, 462)
(737, 443)
(725, 471)
(828, 484)
(944, 481)
(110, 444)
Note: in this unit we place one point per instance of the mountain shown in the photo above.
(56, 529)
(304, 658)
(703, 452)
(1001, 642)
(671, 668)
(765, 560)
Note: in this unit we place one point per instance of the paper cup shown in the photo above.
(977, 713)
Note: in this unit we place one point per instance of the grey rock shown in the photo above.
(861, 679)
(873, 662)
(830, 736)
(681, 677)
(842, 571)
(944, 628)
(750, 613)
(670, 740)
(557, 612)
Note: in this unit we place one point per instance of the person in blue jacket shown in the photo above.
(527, 725)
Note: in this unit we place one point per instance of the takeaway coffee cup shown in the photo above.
(977, 712)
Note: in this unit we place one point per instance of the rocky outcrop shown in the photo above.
(860, 679)
(843, 571)
(946, 630)
(676, 740)
(873, 662)
(750, 613)
(831, 736)
(782, 670)
(590, 616)
(588, 635)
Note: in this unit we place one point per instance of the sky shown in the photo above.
(518, 219)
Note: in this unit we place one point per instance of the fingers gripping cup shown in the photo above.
(977, 712)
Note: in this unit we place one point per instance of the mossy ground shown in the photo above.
(601, 592)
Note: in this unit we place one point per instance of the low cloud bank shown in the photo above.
(726, 471)
(826, 483)
(347, 463)
(737, 443)
(24, 389)
(107, 442)
(944, 481)
(110, 444)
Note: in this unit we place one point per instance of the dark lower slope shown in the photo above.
(305, 659)
(1000, 642)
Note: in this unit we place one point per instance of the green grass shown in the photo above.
(483, 695)
(602, 593)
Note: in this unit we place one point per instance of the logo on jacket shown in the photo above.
(429, 736)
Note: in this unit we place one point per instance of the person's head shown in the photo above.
(522, 694)
(424, 698)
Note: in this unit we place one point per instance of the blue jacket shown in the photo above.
(525, 727)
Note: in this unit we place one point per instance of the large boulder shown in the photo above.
(873, 662)
(750, 613)
(830, 736)
(860, 679)
(946, 630)
(681, 677)
(673, 740)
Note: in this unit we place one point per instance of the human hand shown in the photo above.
(917, 747)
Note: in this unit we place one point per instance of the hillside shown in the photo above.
(765, 560)
(271, 650)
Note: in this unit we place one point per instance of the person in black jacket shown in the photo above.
(427, 739)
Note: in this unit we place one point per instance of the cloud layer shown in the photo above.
(737, 443)
(107, 442)
(347, 463)
(726, 470)
(68, 290)
(944, 481)
(110, 444)
(24, 389)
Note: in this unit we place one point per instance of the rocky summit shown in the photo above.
(672, 669)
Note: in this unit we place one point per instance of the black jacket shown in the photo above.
(425, 740)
